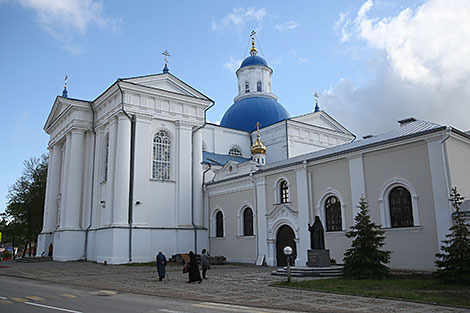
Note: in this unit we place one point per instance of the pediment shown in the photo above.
(281, 210)
(322, 119)
(60, 107)
(167, 82)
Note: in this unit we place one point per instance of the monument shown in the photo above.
(317, 256)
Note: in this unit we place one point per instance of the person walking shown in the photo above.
(161, 264)
(194, 274)
(205, 263)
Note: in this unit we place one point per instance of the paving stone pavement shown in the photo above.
(232, 284)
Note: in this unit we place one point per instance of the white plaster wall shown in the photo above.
(458, 152)
(219, 140)
(412, 247)
(232, 246)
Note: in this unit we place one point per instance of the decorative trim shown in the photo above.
(321, 206)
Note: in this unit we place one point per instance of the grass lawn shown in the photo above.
(410, 287)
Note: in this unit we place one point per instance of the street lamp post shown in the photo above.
(288, 252)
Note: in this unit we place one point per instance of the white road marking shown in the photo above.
(52, 307)
(3, 298)
(170, 311)
(237, 308)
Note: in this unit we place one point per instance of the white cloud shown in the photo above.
(239, 17)
(287, 26)
(232, 65)
(425, 71)
(65, 19)
(296, 56)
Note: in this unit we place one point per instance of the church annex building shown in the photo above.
(139, 170)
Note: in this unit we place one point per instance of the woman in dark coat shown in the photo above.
(194, 274)
(161, 263)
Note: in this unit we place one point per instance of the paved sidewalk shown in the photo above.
(242, 285)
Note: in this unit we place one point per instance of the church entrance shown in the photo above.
(285, 237)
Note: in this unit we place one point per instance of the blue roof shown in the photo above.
(253, 60)
(244, 114)
(220, 159)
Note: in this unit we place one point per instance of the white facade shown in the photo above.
(137, 171)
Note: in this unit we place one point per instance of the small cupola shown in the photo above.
(258, 149)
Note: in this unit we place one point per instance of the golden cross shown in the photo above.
(65, 80)
(252, 35)
(316, 97)
(257, 126)
(166, 54)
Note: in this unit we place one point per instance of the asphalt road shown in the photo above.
(23, 295)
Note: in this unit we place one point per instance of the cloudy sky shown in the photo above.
(371, 62)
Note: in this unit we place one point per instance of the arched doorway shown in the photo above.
(285, 237)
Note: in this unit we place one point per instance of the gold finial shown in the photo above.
(65, 81)
(166, 54)
(258, 147)
(316, 98)
(253, 50)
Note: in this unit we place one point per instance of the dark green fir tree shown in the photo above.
(365, 259)
(453, 265)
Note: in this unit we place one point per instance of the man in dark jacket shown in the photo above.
(161, 264)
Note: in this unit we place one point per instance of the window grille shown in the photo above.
(401, 209)
(161, 156)
(234, 151)
(259, 86)
(333, 214)
(284, 191)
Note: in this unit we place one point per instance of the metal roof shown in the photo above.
(220, 159)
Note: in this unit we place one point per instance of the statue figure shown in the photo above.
(317, 238)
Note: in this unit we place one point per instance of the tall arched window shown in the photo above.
(161, 156)
(235, 151)
(247, 87)
(401, 209)
(284, 192)
(333, 214)
(219, 224)
(106, 157)
(259, 86)
(248, 222)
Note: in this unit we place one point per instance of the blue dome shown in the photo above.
(253, 60)
(244, 114)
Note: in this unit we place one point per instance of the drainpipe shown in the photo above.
(445, 159)
(192, 186)
(131, 171)
(85, 254)
(287, 142)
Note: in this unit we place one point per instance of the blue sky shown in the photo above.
(372, 62)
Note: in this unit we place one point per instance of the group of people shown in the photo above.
(191, 266)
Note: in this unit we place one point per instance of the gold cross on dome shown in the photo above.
(257, 126)
(316, 97)
(166, 54)
(252, 35)
(65, 80)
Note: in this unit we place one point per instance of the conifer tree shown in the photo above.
(365, 259)
(454, 261)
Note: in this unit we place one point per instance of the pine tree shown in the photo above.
(454, 261)
(365, 259)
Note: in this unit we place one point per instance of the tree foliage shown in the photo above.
(365, 259)
(22, 220)
(454, 261)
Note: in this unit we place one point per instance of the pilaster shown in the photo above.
(356, 182)
(184, 173)
(197, 179)
(303, 209)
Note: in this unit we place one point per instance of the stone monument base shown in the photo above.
(318, 258)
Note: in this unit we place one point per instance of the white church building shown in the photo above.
(139, 170)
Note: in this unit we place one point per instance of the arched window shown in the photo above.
(219, 224)
(235, 151)
(259, 86)
(248, 222)
(284, 192)
(161, 156)
(401, 209)
(333, 214)
(106, 157)
(247, 87)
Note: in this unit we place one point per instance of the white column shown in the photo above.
(440, 189)
(121, 173)
(262, 229)
(52, 189)
(357, 182)
(64, 179)
(197, 179)
(73, 202)
(107, 212)
(303, 209)
(184, 179)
